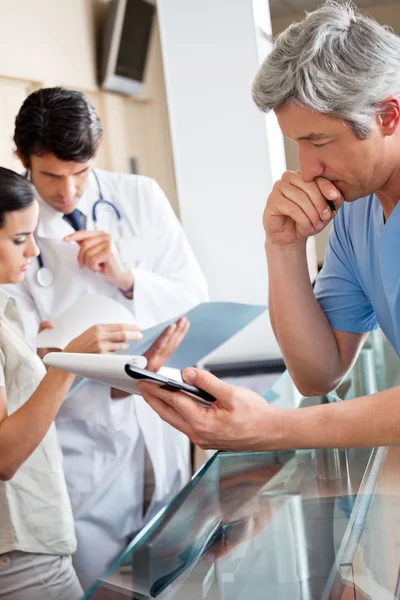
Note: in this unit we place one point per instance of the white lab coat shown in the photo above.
(103, 441)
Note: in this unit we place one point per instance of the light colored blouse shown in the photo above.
(35, 511)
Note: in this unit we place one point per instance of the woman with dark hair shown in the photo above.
(114, 234)
(37, 534)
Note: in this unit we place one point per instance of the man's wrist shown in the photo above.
(310, 427)
(276, 427)
(126, 282)
(285, 256)
(299, 246)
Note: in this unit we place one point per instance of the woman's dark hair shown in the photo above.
(16, 193)
(59, 121)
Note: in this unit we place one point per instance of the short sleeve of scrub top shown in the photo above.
(338, 288)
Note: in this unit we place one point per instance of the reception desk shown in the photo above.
(295, 525)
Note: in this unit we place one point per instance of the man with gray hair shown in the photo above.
(333, 81)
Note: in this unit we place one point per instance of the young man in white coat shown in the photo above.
(112, 234)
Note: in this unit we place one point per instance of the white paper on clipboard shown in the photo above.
(90, 310)
(104, 368)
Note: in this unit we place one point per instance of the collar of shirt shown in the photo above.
(4, 299)
(8, 306)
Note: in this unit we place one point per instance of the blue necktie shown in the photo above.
(74, 219)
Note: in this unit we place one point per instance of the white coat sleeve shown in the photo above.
(27, 308)
(176, 283)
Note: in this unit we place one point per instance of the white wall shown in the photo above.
(221, 151)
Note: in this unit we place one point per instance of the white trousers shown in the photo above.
(25, 576)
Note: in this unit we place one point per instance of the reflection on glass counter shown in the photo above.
(291, 525)
(248, 526)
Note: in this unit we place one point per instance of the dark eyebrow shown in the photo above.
(23, 233)
(314, 136)
(55, 175)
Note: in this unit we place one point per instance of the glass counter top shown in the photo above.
(290, 525)
(249, 525)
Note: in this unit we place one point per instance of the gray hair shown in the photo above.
(335, 61)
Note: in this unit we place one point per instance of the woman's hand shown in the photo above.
(166, 344)
(43, 351)
(105, 339)
(160, 351)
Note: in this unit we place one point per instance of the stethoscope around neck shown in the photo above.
(44, 275)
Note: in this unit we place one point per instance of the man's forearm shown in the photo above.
(368, 421)
(305, 337)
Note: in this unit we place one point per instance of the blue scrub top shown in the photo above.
(358, 286)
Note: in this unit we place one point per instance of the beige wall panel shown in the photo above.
(51, 41)
(386, 14)
(156, 146)
(12, 95)
(101, 160)
(115, 125)
(55, 42)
